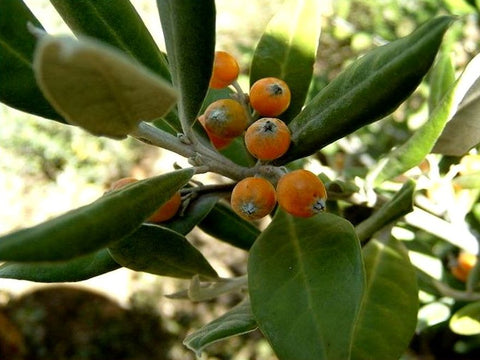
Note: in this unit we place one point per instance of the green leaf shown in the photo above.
(466, 321)
(161, 251)
(306, 282)
(388, 315)
(433, 135)
(287, 50)
(223, 224)
(441, 77)
(400, 205)
(196, 211)
(369, 89)
(97, 87)
(189, 31)
(237, 321)
(18, 87)
(116, 23)
(462, 131)
(78, 269)
(94, 226)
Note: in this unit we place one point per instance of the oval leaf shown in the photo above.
(189, 31)
(95, 86)
(161, 251)
(236, 321)
(369, 89)
(94, 226)
(388, 315)
(288, 48)
(462, 132)
(78, 269)
(18, 87)
(116, 23)
(306, 283)
(223, 224)
(466, 321)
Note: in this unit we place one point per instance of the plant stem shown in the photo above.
(151, 135)
(197, 153)
(455, 294)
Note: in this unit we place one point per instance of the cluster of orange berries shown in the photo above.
(299, 192)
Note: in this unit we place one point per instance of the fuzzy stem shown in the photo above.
(151, 135)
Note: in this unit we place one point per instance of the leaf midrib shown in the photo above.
(293, 235)
(15, 52)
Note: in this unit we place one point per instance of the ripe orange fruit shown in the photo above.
(167, 210)
(270, 96)
(218, 142)
(301, 193)
(225, 70)
(164, 212)
(267, 138)
(253, 198)
(465, 264)
(226, 118)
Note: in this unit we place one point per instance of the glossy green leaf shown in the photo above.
(78, 269)
(223, 224)
(306, 282)
(288, 48)
(94, 226)
(369, 89)
(462, 131)
(237, 321)
(189, 31)
(195, 212)
(466, 321)
(400, 205)
(97, 87)
(161, 251)
(429, 137)
(18, 87)
(116, 23)
(388, 315)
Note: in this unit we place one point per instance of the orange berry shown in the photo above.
(167, 210)
(218, 142)
(270, 96)
(459, 273)
(267, 138)
(301, 193)
(225, 70)
(253, 198)
(164, 212)
(226, 118)
(120, 183)
(465, 262)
